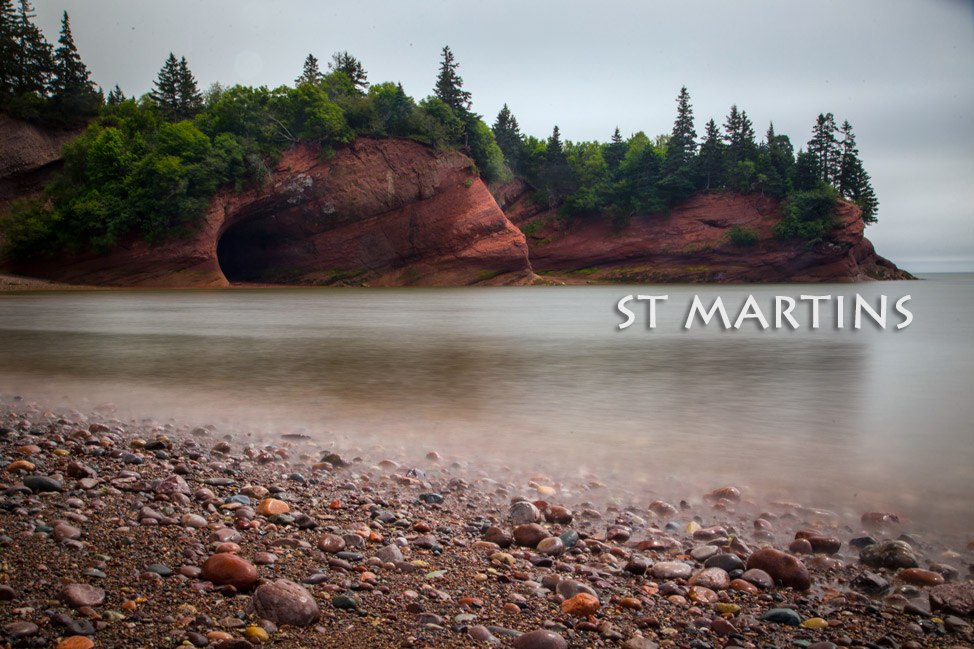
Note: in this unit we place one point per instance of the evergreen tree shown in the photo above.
(777, 157)
(557, 175)
(350, 66)
(115, 96)
(72, 84)
(507, 133)
(310, 74)
(166, 91)
(615, 151)
(740, 136)
(683, 141)
(9, 46)
(806, 174)
(190, 97)
(853, 181)
(449, 84)
(825, 148)
(711, 158)
(33, 64)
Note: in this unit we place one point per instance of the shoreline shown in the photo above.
(443, 552)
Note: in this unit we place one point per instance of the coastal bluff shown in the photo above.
(394, 212)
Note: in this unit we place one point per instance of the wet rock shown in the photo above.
(285, 602)
(390, 554)
(79, 595)
(331, 543)
(920, 577)
(800, 546)
(732, 494)
(63, 532)
(663, 509)
(568, 588)
(499, 536)
(75, 642)
(551, 546)
(671, 570)
(712, 578)
(890, 554)
(782, 567)
(580, 605)
(727, 561)
(870, 583)
(41, 483)
(21, 629)
(173, 484)
(529, 535)
(431, 498)
(346, 602)
(539, 639)
(480, 633)
(559, 515)
(272, 507)
(523, 513)
(7, 594)
(638, 565)
(954, 598)
(782, 616)
(230, 570)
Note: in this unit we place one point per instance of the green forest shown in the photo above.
(147, 166)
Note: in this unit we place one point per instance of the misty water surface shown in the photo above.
(541, 378)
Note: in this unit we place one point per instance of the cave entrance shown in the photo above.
(257, 249)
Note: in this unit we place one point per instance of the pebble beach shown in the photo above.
(134, 533)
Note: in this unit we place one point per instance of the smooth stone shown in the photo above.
(75, 642)
(712, 578)
(346, 602)
(539, 639)
(920, 577)
(390, 554)
(20, 629)
(331, 543)
(79, 595)
(703, 552)
(890, 554)
(63, 532)
(41, 483)
(559, 515)
(272, 507)
(499, 536)
(230, 570)
(523, 512)
(174, 484)
(782, 616)
(529, 535)
(551, 546)
(568, 588)
(431, 498)
(782, 567)
(569, 538)
(480, 633)
(160, 569)
(870, 583)
(726, 561)
(671, 570)
(285, 602)
(580, 605)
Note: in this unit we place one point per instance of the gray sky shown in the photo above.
(901, 72)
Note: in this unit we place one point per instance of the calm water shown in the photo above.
(541, 378)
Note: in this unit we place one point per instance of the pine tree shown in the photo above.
(350, 66)
(557, 174)
(853, 182)
(806, 174)
(740, 136)
(166, 91)
(9, 46)
(825, 148)
(115, 96)
(615, 151)
(72, 82)
(33, 64)
(449, 84)
(683, 141)
(310, 74)
(190, 97)
(507, 133)
(711, 158)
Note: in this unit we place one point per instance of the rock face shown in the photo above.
(692, 244)
(386, 212)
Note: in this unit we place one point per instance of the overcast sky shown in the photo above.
(901, 72)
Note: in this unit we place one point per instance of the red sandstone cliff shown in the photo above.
(379, 212)
(692, 244)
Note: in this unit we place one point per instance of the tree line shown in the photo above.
(147, 166)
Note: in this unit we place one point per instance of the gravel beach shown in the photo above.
(123, 533)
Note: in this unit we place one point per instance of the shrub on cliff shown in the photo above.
(809, 214)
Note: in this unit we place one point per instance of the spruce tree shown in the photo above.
(190, 97)
(711, 158)
(825, 147)
(557, 174)
(9, 46)
(311, 73)
(72, 83)
(166, 91)
(33, 62)
(615, 151)
(507, 133)
(115, 96)
(853, 181)
(683, 141)
(449, 84)
(740, 136)
(350, 66)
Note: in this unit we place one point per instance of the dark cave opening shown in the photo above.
(254, 250)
